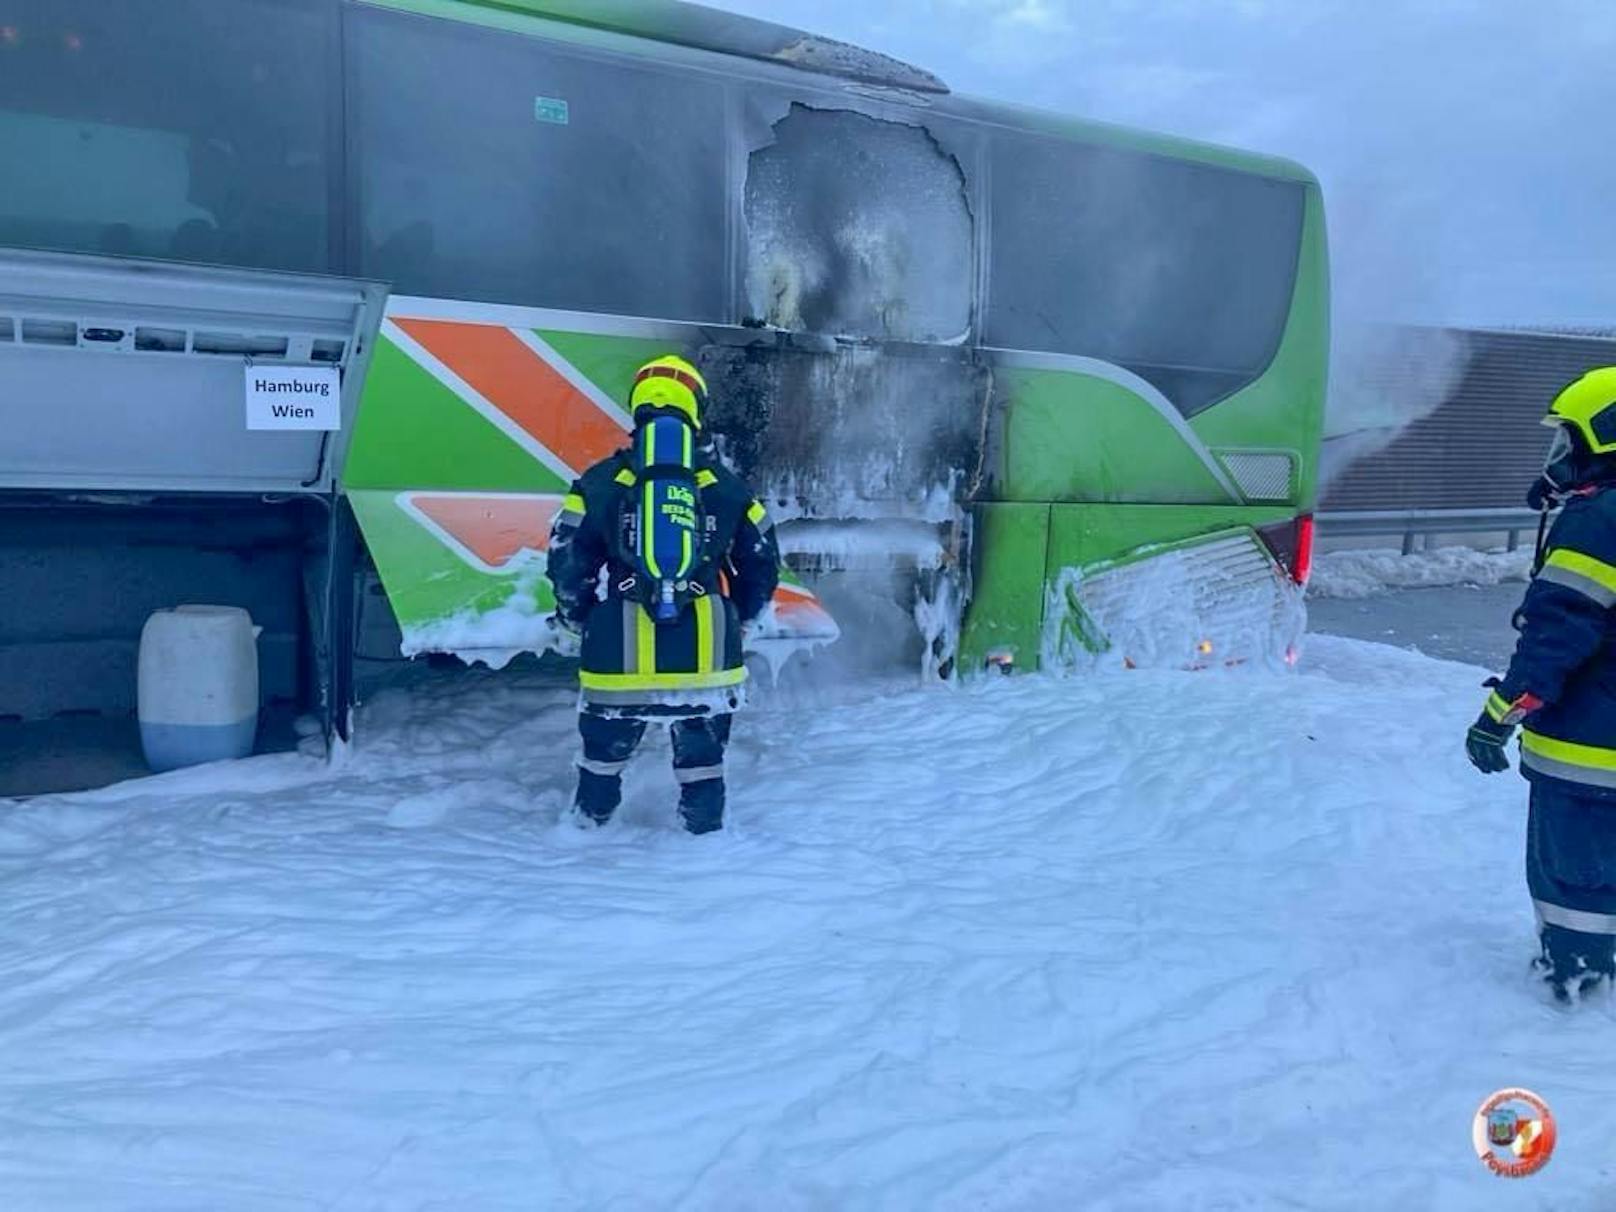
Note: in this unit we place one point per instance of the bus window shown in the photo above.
(154, 128)
(503, 168)
(1181, 272)
(859, 227)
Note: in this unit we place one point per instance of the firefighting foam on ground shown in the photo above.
(975, 947)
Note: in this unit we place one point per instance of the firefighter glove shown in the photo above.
(1484, 744)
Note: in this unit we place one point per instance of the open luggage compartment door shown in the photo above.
(123, 374)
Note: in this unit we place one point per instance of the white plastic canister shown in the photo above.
(198, 688)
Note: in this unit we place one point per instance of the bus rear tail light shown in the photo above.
(1292, 546)
(1302, 568)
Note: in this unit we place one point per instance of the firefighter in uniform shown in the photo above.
(686, 670)
(1561, 691)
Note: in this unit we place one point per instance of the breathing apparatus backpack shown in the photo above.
(662, 534)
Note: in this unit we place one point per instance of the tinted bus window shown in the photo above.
(1182, 272)
(499, 167)
(194, 130)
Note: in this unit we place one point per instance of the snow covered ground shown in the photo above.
(1149, 940)
(1363, 572)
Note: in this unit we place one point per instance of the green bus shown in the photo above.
(1062, 382)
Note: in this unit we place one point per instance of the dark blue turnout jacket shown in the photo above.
(630, 662)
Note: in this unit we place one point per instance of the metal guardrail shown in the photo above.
(1416, 522)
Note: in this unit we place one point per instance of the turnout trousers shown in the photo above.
(698, 763)
(1571, 873)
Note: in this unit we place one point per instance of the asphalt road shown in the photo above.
(1459, 623)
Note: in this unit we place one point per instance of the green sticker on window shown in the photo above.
(551, 109)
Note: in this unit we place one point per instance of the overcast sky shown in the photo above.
(1467, 147)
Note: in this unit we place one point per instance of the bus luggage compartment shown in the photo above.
(130, 480)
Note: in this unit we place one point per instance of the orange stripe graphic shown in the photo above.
(494, 529)
(799, 610)
(523, 386)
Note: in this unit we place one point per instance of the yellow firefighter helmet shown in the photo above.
(670, 382)
(1589, 407)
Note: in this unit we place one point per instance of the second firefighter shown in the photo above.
(1561, 691)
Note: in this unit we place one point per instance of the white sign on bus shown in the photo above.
(293, 397)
